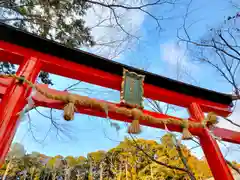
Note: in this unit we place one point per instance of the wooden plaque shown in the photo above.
(132, 89)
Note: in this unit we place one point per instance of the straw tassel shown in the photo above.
(186, 135)
(71, 100)
(69, 109)
(212, 119)
(134, 128)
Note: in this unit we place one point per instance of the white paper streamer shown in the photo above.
(174, 138)
(28, 106)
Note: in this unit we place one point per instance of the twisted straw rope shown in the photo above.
(87, 102)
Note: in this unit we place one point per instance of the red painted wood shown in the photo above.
(80, 72)
(225, 134)
(210, 147)
(13, 102)
(41, 100)
(4, 82)
(12, 57)
(15, 97)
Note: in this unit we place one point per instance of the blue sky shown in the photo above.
(156, 52)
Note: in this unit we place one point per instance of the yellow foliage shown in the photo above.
(127, 161)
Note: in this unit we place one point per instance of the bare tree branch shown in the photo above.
(184, 161)
(158, 162)
(235, 124)
(140, 7)
(233, 167)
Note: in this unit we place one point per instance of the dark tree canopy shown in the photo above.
(60, 21)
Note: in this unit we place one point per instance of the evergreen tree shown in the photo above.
(60, 21)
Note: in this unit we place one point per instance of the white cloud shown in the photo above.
(177, 59)
(173, 54)
(105, 28)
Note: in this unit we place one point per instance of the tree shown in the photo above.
(64, 21)
(219, 48)
(34, 165)
(59, 21)
(95, 159)
(16, 152)
(54, 166)
(125, 161)
(130, 161)
(80, 169)
(69, 164)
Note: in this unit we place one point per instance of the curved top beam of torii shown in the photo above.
(58, 59)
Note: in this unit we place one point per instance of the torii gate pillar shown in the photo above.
(14, 101)
(210, 147)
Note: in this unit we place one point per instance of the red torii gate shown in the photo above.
(34, 54)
